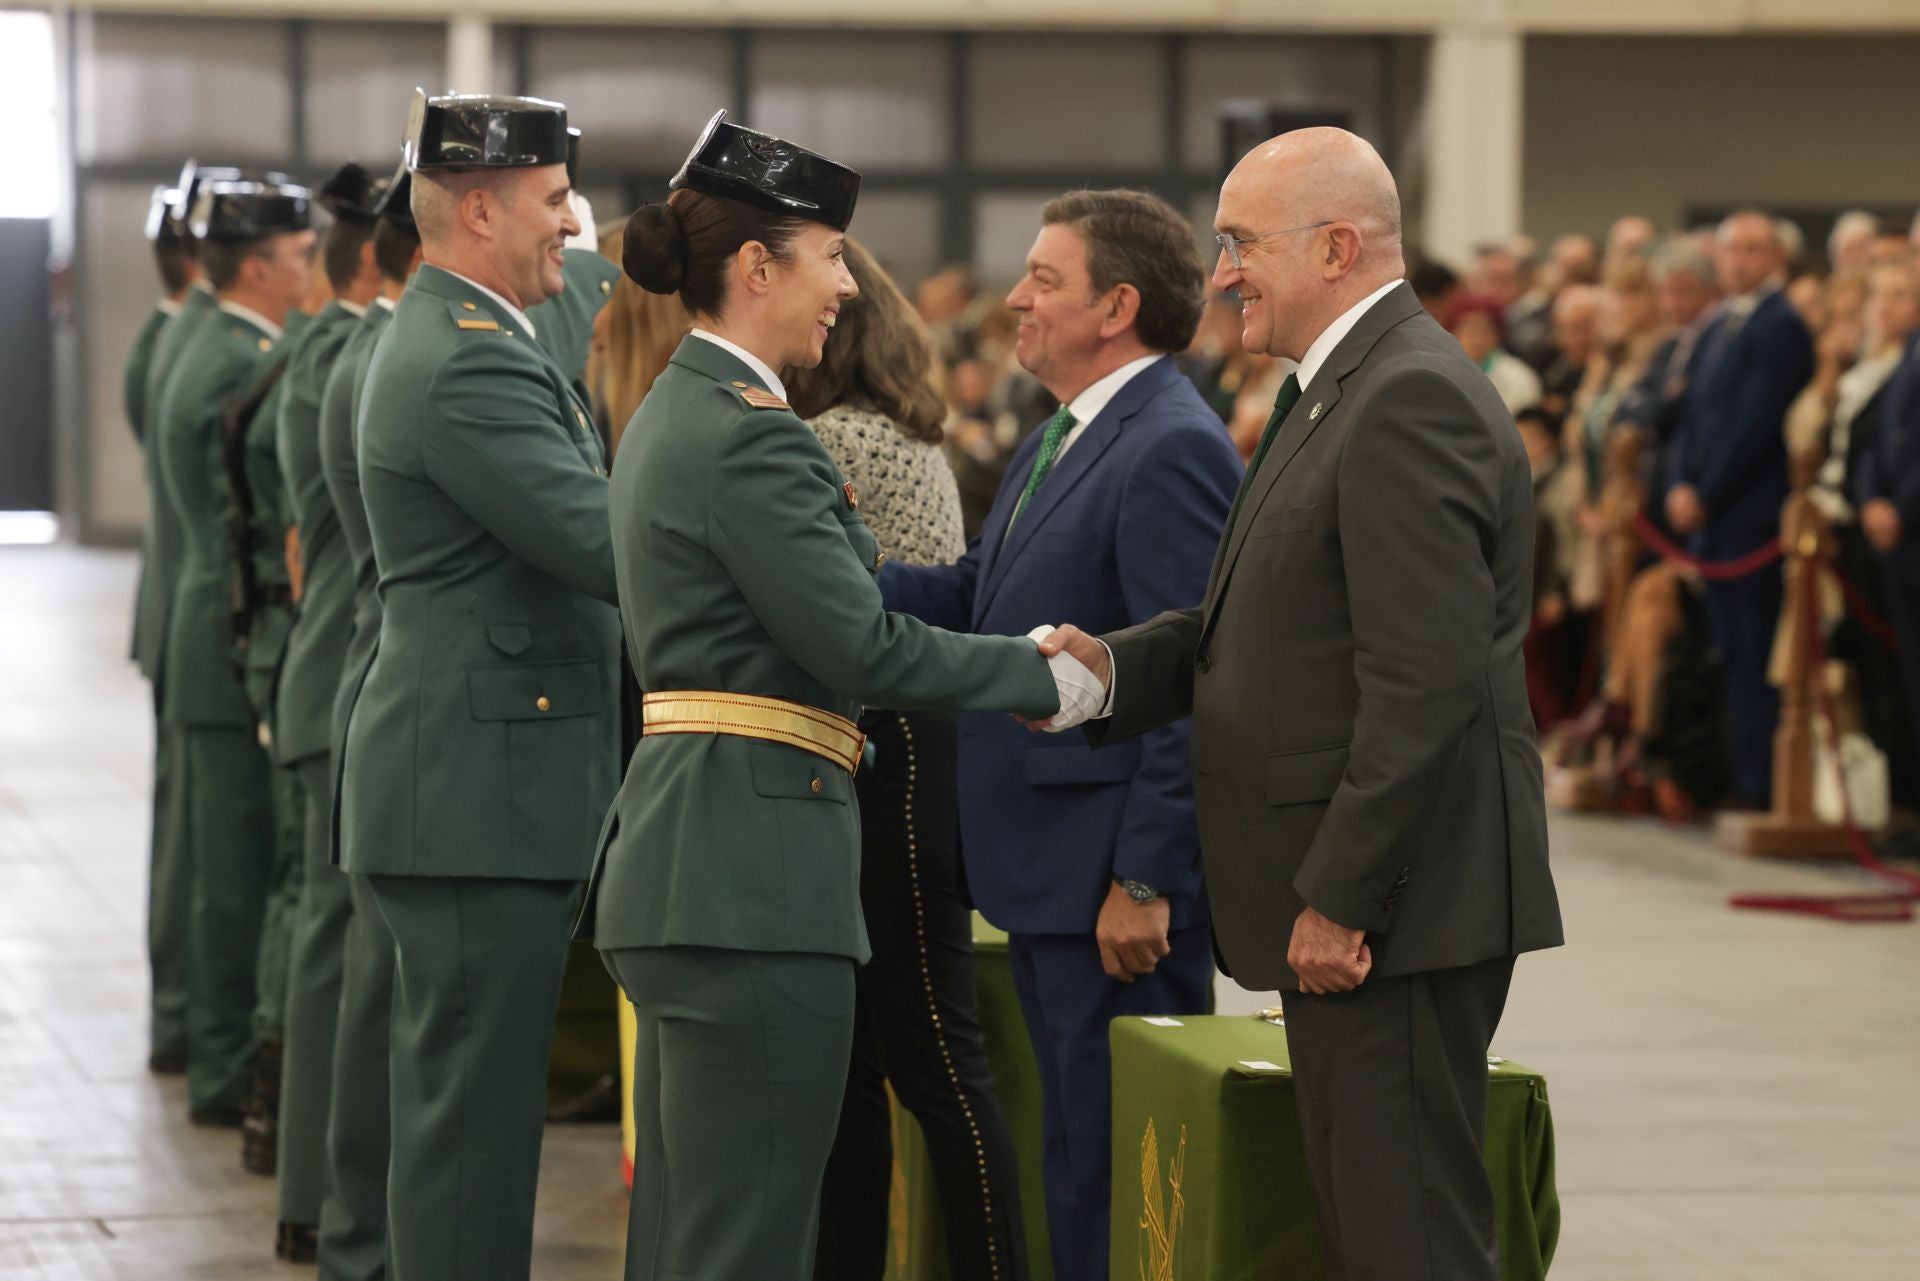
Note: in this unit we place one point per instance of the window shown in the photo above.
(30, 180)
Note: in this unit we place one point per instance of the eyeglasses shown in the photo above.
(1230, 245)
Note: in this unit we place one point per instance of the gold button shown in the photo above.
(266, 344)
(544, 703)
(879, 560)
(816, 785)
(470, 306)
(739, 384)
(606, 286)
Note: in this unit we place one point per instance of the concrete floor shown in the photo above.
(1734, 1092)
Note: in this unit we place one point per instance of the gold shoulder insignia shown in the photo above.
(853, 499)
(491, 326)
(760, 398)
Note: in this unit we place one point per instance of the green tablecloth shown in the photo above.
(1209, 1181)
(918, 1247)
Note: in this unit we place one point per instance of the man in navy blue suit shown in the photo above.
(1888, 498)
(1108, 515)
(1729, 463)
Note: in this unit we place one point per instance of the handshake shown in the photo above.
(1082, 671)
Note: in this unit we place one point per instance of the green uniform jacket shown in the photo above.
(160, 552)
(484, 739)
(133, 396)
(200, 686)
(268, 520)
(133, 382)
(564, 322)
(744, 567)
(317, 649)
(340, 458)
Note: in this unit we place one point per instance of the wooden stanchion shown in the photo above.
(1790, 829)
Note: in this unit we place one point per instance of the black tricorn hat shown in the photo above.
(194, 175)
(351, 193)
(482, 131)
(396, 202)
(770, 172)
(249, 210)
(163, 222)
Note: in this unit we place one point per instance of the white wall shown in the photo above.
(1653, 125)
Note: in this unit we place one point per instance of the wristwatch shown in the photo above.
(1139, 891)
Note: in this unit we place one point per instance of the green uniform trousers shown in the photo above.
(313, 1004)
(283, 905)
(479, 962)
(353, 1218)
(227, 787)
(169, 898)
(738, 1074)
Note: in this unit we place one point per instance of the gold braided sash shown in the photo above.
(773, 720)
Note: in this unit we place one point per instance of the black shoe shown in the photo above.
(260, 1144)
(598, 1104)
(167, 1062)
(296, 1243)
(217, 1118)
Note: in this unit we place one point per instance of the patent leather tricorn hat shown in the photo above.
(250, 210)
(165, 221)
(485, 131)
(396, 202)
(352, 193)
(770, 172)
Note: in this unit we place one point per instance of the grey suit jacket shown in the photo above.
(1361, 736)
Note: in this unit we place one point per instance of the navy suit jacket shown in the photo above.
(1731, 444)
(1891, 467)
(1124, 527)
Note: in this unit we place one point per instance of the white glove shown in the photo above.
(1081, 693)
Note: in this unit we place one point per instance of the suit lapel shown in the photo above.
(1315, 406)
(1066, 474)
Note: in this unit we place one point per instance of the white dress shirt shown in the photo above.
(753, 362)
(386, 302)
(354, 309)
(1087, 405)
(252, 317)
(168, 307)
(1322, 347)
(519, 317)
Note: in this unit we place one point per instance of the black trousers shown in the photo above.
(1742, 617)
(917, 1026)
(1391, 1083)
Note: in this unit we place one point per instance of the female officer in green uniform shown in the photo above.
(728, 899)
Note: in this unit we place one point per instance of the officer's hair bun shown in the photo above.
(653, 249)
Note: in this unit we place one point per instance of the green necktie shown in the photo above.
(1283, 405)
(1057, 429)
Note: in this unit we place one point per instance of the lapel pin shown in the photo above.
(1315, 415)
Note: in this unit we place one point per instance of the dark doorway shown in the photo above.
(26, 367)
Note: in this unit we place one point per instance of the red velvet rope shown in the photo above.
(1719, 571)
(1891, 905)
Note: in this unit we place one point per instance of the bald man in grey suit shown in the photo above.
(1365, 772)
